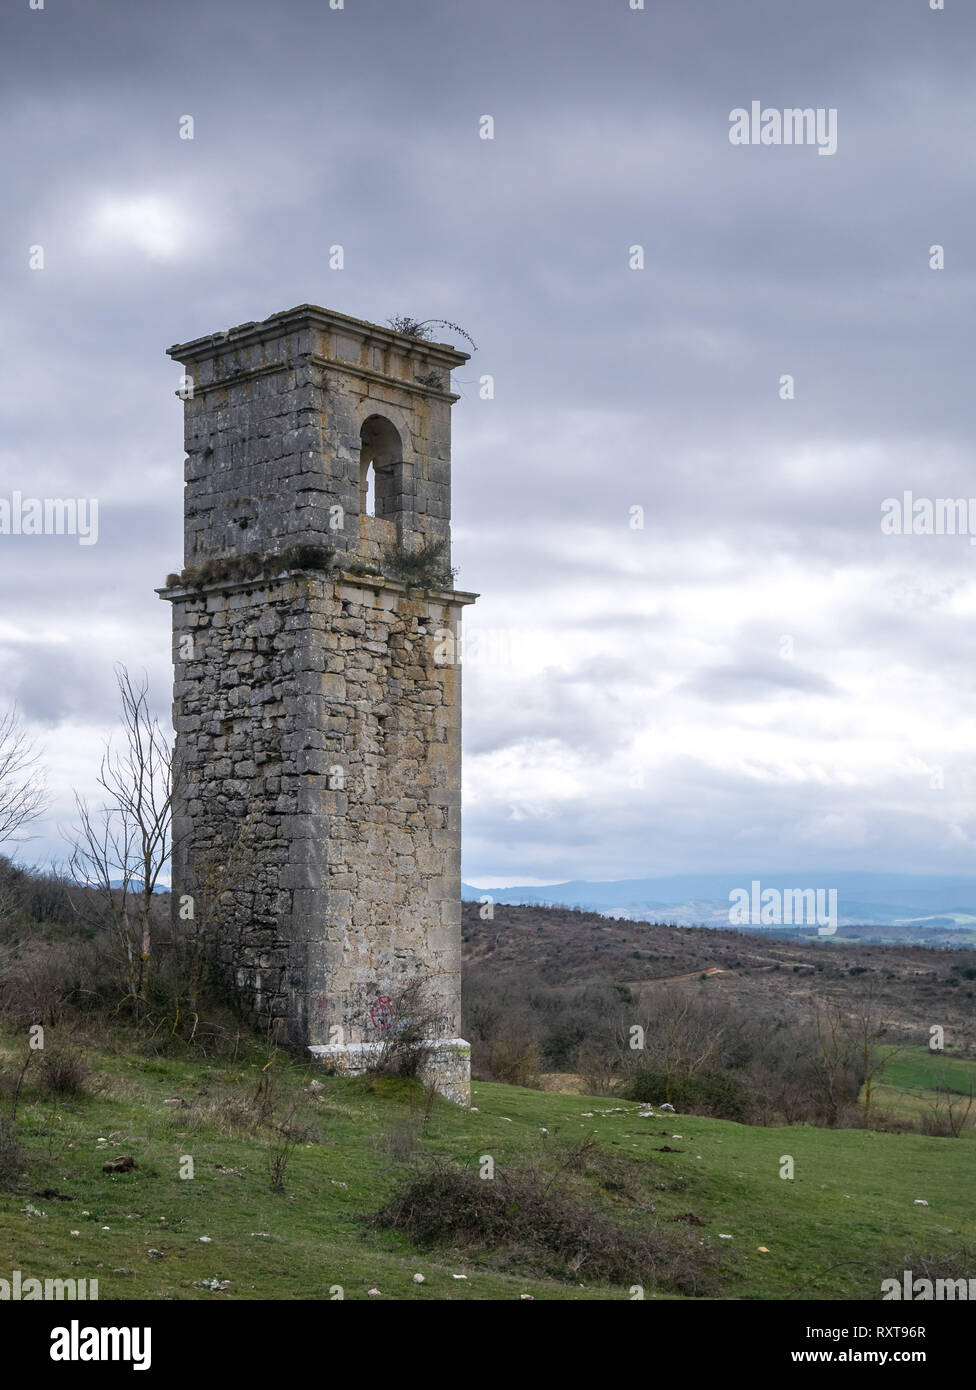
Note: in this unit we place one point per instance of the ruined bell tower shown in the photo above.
(317, 701)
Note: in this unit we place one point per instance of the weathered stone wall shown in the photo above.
(318, 730)
(273, 433)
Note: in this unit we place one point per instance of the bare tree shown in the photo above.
(849, 1051)
(681, 1039)
(867, 1027)
(21, 784)
(845, 1051)
(948, 1110)
(948, 1099)
(121, 849)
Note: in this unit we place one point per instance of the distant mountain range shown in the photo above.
(922, 901)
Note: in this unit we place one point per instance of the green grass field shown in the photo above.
(908, 1085)
(844, 1222)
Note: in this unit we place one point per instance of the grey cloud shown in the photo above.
(612, 387)
(734, 683)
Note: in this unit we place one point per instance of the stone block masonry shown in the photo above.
(317, 708)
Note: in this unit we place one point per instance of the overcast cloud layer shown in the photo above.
(757, 679)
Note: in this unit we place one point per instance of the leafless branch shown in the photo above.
(21, 784)
(120, 850)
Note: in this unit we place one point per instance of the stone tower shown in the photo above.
(317, 702)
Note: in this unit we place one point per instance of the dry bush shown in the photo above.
(64, 1072)
(936, 1126)
(283, 1139)
(513, 1057)
(598, 1068)
(948, 1112)
(295, 1130)
(279, 1152)
(951, 1265)
(75, 983)
(889, 1122)
(527, 1215)
(425, 565)
(50, 981)
(13, 1156)
(13, 1077)
(579, 1157)
(231, 1114)
(236, 1114)
(844, 1114)
(407, 1042)
(777, 1099)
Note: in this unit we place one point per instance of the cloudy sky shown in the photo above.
(756, 679)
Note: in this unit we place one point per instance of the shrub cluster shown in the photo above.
(719, 1094)
(534, 1218)
(424, 566)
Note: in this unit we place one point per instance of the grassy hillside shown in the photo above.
(916, 1081)
(843, 1223)
(773, 978)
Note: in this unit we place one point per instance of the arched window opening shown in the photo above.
(380, 469)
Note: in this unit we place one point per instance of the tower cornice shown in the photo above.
(314, 316)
